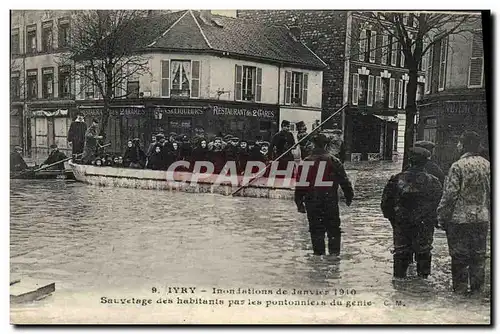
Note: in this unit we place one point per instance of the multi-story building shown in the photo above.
(455, 96)
(41, 91)
(224, 74)
(366, 71)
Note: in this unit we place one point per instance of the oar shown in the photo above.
(259, 174)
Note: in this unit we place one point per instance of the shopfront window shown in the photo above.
(430, 129)
(181, 125)
(181, 74)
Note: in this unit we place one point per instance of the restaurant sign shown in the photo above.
(246, 112)
(126, 111)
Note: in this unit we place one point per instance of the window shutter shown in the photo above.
(385, 48)
(394, 52)
(377, 88)
(78, 84)
(195, 78)
(405, 94)
(400, 94)
(355, 89)
(476, 65)
(428, 70)
(392, 84)
(402, 64)
(442, 63)
(305, 83)
(258, 85)
(165, 78)
(288, 87)
(362, 44)
(373, 46)
(370, 91)
(238, 83)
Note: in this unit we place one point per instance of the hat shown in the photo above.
(300, 124)
(172, 134)
(264, 143)
(285, 123)
(418, 154)
(337, 131)
(428, 145)
(227, 137)
(79, 113)
(18, 148)
(95, 120)
(160, 136)
(470, 140)
(53, 146)
(319, 140)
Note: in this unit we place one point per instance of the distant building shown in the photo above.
(455, 96)
(366, 70)
(224, 74)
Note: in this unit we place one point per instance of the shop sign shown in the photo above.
(179, 111)
(255, 112)
(114, 111)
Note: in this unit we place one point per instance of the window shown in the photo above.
(32, 83)
(392, 87)
(442, 63)
(88, 83)
(47, 36)
(296, 87)
(384, 92)
(428, 69)
(64, 32)
(394, 51)
(47, 83)
(195, 79)
(378, 89)
(31, 39)
(370, 90)
(65, 82)
(181, 76)
(355, 89)
(248, 83)
(165, 78)
(373, 45)
(15, 85)
(385, 49)
(420, 92)
(400, 94)
(132, 89)
(405, 94)
(476, 65)
(430, 129)
(363, 90)
(362, 44)
(14, 42)
(402, 63)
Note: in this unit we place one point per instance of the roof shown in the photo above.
(185, 30)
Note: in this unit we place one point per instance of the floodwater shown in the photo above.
(121, 243)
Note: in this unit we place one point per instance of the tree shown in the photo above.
(429, 29)
(103, 47)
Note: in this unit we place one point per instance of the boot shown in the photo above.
(400, 267)
(334, 245)
(459, 275)
(318, 244)
(423, 264)
(476, 274)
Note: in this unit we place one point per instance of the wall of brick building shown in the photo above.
(324, 32)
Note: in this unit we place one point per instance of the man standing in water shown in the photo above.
(320, 199)
(280, 143)
(464, 213)
(76, 134)
(91, 138)
(431, 167)
(409, 202)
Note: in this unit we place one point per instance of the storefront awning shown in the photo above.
(49, 113)
(386, 118)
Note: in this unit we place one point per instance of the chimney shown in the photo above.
(206, 16)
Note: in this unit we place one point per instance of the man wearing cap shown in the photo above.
(280, 143)
(431, 167)
(76, 134)
(465, 214)
(306, 145)
(91, 138)
(335, 145)
(320, 200)
(17, 162)
(55, 156)
(409, 202)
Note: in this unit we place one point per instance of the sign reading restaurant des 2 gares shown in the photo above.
(219, 111)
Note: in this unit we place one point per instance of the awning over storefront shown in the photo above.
(386, 118)
(50, 113)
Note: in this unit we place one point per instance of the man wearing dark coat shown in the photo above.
(76, 134)
(409, 202)
(431, 167)
(55, 156)
(335, 146)
(320, 200)
(17, 162)
(280, 143)
(306, 145)
(91, 138)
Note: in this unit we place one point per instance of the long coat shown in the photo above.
(76, 135)
(467, 191)
(90, 148)
(55, 156)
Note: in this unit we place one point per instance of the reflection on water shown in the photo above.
(91, 239)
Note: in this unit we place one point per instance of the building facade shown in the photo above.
(455, 96)
(366, 70)
(220, 75)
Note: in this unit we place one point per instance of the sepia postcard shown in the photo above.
(250, 167)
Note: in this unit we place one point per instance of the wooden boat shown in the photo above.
(183, 181)
(46, 174)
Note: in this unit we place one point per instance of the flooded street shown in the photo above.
(115, 242)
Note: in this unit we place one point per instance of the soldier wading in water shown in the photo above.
(319, 200)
